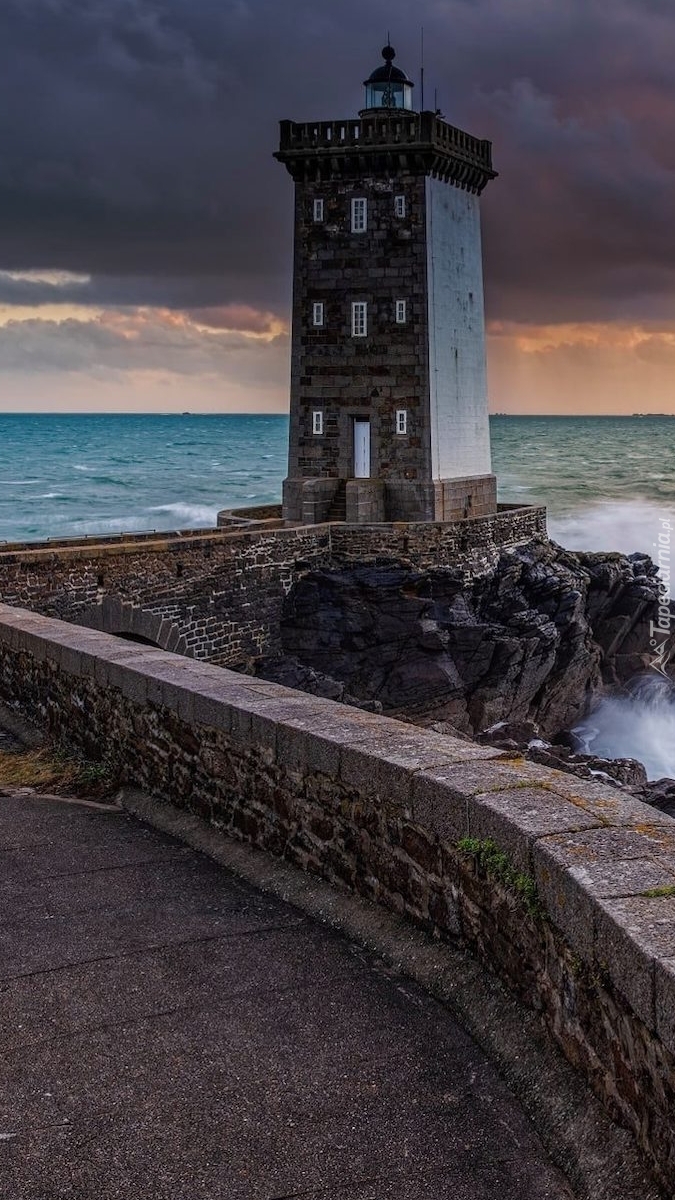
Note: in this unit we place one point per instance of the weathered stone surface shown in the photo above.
(438, 807)
(632, 932)
(665, 1001)
(515, 818)
(573, 870)
(610, 805)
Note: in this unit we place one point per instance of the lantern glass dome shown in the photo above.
(388, 86)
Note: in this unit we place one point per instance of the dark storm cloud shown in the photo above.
(135, 141)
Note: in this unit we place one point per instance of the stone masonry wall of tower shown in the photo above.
(347, 377)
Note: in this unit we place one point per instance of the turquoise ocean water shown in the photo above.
(605, 480)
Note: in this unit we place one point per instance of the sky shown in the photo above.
(146, 231)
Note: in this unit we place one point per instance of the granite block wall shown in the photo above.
(216, 596)
(566, 888)
(369, 377)
(473, 545)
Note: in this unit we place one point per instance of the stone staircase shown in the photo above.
(338, 506)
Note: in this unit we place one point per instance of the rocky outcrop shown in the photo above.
(524, 737)
(660, 793)
(535, 639)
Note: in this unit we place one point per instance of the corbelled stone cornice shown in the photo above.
(419, 143)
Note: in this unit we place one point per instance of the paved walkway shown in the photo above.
(170, 1033)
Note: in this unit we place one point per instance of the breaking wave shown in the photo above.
(639, 724)
(190, 516)
(624, 525)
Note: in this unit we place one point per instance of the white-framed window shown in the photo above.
(318, 210)
(317, 422)
(359, 215)
(401, 420)
(359, 319)
(399, 206)
(401, 312)
(318, 313)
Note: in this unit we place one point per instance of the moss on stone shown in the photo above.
(496, 864)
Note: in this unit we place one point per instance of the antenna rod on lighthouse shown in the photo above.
(422, 68)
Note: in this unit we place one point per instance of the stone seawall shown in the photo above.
(214, 596)
(218, 595)
(566, 888)
(472, 544)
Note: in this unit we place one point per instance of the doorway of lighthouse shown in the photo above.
(361, 449)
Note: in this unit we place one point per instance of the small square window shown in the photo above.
(318, 313)
(401, 420)
(318, 210)
(401, 312)
(399, 206)
(359, 216)
(317, 422)
(359, 319)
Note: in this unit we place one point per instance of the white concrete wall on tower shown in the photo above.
(460, 432)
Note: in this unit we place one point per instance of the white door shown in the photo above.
(362, 449)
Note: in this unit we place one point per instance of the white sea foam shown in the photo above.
(109, 525)
(638, 725)
(623, 525)
(189, 515)
(641, 723)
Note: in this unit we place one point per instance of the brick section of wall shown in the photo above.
(578, 916)
(219, 596)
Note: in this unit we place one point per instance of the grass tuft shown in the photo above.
(56, 769)
(498, 866)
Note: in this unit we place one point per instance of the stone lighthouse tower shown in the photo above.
(389, 410)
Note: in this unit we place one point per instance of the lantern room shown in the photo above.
(388, 87)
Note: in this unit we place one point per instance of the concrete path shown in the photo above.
(170, 1033)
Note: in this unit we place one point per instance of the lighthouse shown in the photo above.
(389, 406)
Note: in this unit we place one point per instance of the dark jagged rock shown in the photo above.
(525, 738)
(624, 772)
(660, 793)
(535, 639)
(293, 674)
(510, 735)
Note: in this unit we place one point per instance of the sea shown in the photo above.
(608, 484)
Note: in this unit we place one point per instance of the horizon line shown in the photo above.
(116, 412)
